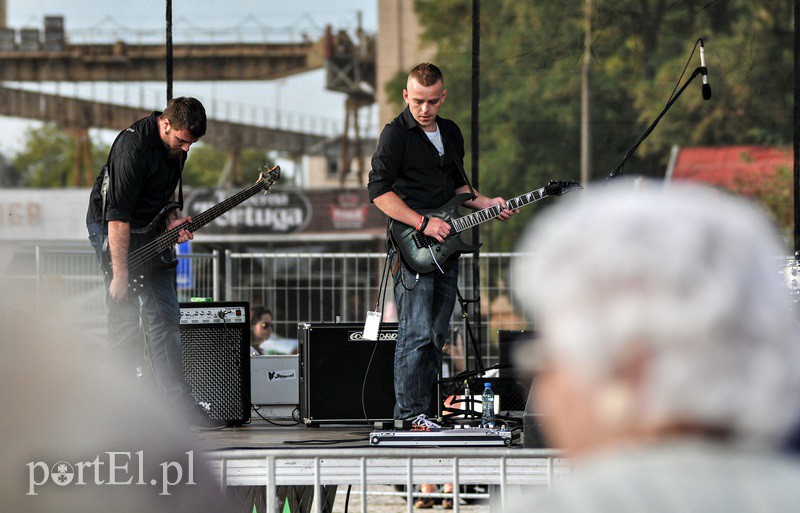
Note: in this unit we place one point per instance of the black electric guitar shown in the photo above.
(154, 245)
(424, 254)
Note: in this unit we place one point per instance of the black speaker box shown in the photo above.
(518, 386)
(215, 345)
(345, 379)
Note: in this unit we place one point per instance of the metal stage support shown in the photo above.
(308, 479)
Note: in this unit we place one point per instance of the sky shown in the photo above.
(303, 96)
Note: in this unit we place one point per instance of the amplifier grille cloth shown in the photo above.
(212, 361)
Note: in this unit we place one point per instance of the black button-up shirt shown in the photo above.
(142, 176)
(407, 162)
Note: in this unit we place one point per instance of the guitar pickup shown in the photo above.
(423, 241)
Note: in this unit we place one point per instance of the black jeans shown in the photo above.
(158, 300)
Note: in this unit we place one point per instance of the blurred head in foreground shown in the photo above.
(78, 435)
(661, 314)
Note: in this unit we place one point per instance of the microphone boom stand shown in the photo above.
(700, 70)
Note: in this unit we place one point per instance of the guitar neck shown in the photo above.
(170, 237)
(487, 214)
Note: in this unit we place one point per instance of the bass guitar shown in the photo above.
(154, 245)
(424, 254)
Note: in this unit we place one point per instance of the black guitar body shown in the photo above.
(422, 253)
(140, 238)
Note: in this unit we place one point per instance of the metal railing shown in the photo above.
(503, 468)
(298, 287)
(331, 287)
(69, 283)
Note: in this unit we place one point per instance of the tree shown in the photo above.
(49, 156)
(530, 84)
(9, 175)
(206, 164)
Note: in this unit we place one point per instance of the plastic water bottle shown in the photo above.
(487, 406)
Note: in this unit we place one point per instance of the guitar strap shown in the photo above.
(103, 193)
(460, 166)
(180, 183)
(104, 189)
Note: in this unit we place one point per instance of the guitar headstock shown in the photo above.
(268, 177)
(559, 187)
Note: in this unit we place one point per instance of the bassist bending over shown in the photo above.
(126, 207)
(416, 168)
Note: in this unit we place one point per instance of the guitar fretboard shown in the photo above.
(487, 214)
(170, 237)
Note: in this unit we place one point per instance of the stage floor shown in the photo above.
(261, 434)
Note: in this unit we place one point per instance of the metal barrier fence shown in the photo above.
(298, 287)
(68, 283)
(330, 287)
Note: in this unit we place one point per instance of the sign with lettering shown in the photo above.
(279, 212)
(59, 214)
(290, 211)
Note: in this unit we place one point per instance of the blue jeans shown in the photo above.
(424, 306)
(158, 301)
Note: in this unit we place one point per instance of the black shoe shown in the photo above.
(198, 418)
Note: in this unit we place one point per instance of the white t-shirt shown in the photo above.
(436, 139)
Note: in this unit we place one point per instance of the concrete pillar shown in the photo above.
(398, 48)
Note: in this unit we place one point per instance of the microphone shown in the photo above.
(704, 72)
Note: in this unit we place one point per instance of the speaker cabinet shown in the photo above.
(518, 383)
(215, 345)
(343, 378)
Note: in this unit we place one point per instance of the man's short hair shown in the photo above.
(186, 113)
(426, 74)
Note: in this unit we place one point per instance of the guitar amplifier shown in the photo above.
(215, 345)
(345, 379)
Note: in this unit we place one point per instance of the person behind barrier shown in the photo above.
(138, 181)
(416, 167)
(263, 339)
(667, 359)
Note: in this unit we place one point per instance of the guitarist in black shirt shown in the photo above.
(139, 179)
(416, 167)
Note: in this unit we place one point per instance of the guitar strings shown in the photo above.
(519, 201)
(170, 237)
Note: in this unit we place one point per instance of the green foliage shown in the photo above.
(9, 175)
(203, 166)
(531, 56)
(48, 159)
(206, 164)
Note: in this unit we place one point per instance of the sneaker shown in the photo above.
(447, 503)
(423, 503)
(198, 418)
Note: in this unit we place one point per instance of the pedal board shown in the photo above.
(471, 437)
